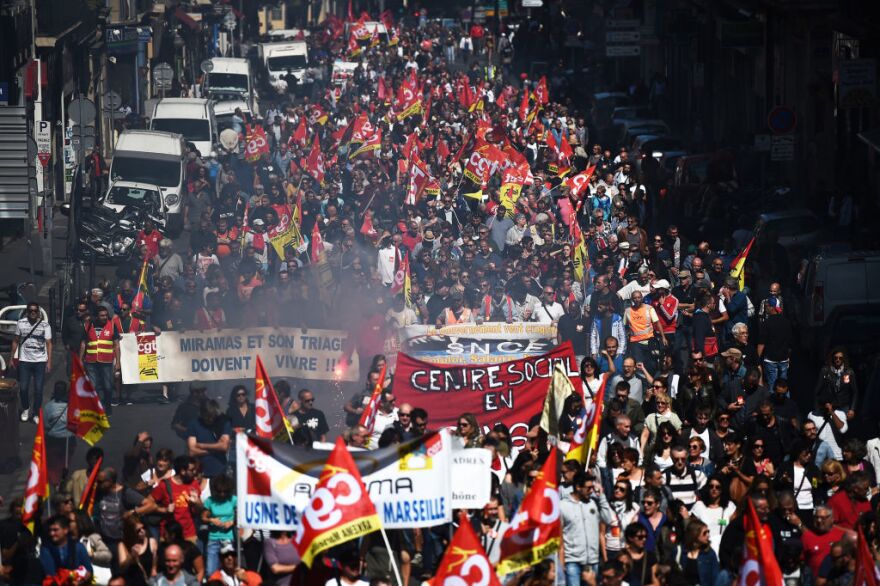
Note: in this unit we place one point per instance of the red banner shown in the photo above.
(508, 392)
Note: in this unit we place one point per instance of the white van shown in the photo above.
(153, 158)
(279, 58)
(223, 112)
(191, 117)
(231, 79)
(343, 71)
(840, 279)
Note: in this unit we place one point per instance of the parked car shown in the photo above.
(793, 227)
(837, 280)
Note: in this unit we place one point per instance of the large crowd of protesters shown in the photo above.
(699, 416)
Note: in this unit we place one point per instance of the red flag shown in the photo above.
(400, 275)
(565, 149)
(85, 413)
(256, 143)
(866, 569)
(587, 434)
(387, 18)
(270, 418)
(350, 14)
(87, 500)
(315, 161)
(340, 509)
(578, 184)
(442, 150)
(38, 478)
(354, 48)
(317, 243)
(465, 562)
(382, 90)
(759, 565)
(301, 135)
(419, 177)
(368, 416)
(551, 142)
(535, 530)
(367, 228)
(499, 101)
(427, 113)
(541, 91)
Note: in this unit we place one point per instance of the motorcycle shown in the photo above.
(110, 236)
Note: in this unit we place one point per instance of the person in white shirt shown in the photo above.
(547, 310)
(829, 421)
(387, 259)
(349, 570)
(386, 416)
(32, 352)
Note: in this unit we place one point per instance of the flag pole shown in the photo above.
(391, 556)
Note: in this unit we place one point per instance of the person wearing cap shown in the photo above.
(666, 306)
(456, 313)
(231, 572)
(734, 369)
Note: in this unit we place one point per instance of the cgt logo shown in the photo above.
(147, 345)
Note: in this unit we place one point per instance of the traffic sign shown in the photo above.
(81, 111)
(43, 134)
(532, 3)
(163, 73)
(623, 37)
(207, 66)
(782, 120)
(782, 147)
(622, 50)
(112, 101)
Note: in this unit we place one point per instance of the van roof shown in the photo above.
(149, 141)
(230, 65)
(181, 108)
(294, 48)
(228, 107)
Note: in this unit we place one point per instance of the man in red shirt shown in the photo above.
(149, 237)
(666, 306)
(847, 505)
(178, 497)
(817, 543)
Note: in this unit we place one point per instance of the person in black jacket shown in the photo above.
(704, 338)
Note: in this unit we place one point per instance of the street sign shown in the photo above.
(207, 66)
(623, 37)
(622, 50)
(112, 101)
(782, 120)
(163, 72)
(857, 83)
(43, 135)
(81, 111)
(782, 147)
(532, 3)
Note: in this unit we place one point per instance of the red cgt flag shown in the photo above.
(315, 161)
(340, 509)
(368, 416)
(579, 183)
(541, 91)
(465, 562)
(866, 568)
(270, 417)
(87, 500)
(536, 530)
(759, 565)
(38, 479)
(85, 413)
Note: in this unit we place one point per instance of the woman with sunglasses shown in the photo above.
(643, 560)
(714, 509)
(698, 561)
(468, 430)
(137, 552)
(838, 379)
(624, 512)
(833, 475)
(696, 448)
(240, 411)
(590, 377)
(660, 450)
(756, 461)
(662, 414)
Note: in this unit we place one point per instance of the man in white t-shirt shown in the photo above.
(547, 310)
(386, 416)
(349, 570)
(32, 352)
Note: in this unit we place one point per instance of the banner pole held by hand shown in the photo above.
(391, 557)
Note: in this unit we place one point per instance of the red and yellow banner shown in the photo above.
(465, 562)
(85, 413)
(270, 418)
(340, 509)
(38, 479)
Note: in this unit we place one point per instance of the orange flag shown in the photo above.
(270, 418)
(340, 509)
(759, 565)
(85, 413)
(368, 417)
(586, 436)
(536, 530)
(38, 479)
(87, 500)
(465, 562)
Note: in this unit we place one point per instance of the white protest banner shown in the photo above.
(231, 354)
(409, 483)
(471, 478)
(485, 343)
